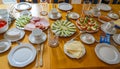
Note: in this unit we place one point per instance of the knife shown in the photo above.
(41, 55)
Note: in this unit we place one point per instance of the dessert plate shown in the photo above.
(107, 53)
(81, 50)
(104, 7)
(22, 55)
(73, 15)
(22, 33)
(113, 15)
(87, 38)
(34, 41)
(109, 32)
(23, 6)
(115, 38)
(52, 17)
(65, 6)
(7, 44)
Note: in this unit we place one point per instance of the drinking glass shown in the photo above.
(53, 39)
(44, 7)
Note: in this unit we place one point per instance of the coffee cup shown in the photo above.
(118, 37)
(54, 12)
(37, 34)
(109, 27)
(2, 46)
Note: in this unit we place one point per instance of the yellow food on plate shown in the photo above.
(75, 48)
(117, 22)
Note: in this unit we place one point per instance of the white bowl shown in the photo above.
(3, 29)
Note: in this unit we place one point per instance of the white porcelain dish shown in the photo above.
(22, 33)
(22, 55)
(7, 44)
(34, 41)
(115, 38)
(65, 6)
(87, 38)
(113, 15)
(107, 53)
(104, 7)
(22, 6)
(54, 18)
(73, 15)
(70, 55)
(104, 29)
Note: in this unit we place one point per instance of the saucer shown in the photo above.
(103, 29)
(22, 33)
(51, 16)
(115, 38)
(7, 43)
(65, 6)
(82, 37)
(32, 39)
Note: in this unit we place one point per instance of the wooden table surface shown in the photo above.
(55, 58)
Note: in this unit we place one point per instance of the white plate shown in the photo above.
(65, 6)
(103, 29)
(70, 55)
(32, 39)
(73, 15)
(113, 15)
(83, 38)
(22, 55)
(7, 43)
(23, 6)
(22, 33)
(115, 38)
(51, 16)
(104, 7)
(107, 53)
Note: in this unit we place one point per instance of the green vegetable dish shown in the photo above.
(63, 28)
(22, 21)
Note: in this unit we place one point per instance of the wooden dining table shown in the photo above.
(55, 58)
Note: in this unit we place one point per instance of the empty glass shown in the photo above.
(53, 39)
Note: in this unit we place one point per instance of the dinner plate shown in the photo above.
(7, 45)
(84, 37)
(104, 29)
(115, 38)
(22, 55)
(23, 6)
(22, 33)
(34, 41)
(65, 6)
(104, 7)
(107, 53)
(51, 16)
(70, 55)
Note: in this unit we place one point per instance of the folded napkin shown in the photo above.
(75, 48)
(105, 39)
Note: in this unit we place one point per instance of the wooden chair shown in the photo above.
(30, 1)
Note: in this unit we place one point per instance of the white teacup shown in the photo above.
(2, 46)
(118, 37)
(88, 38)
(37, 34)
(54, 12)
(109, 27)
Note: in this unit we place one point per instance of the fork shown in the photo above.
(38, 50)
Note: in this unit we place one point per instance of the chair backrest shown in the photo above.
(76, 1)
(58, 1)
(30, 1)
